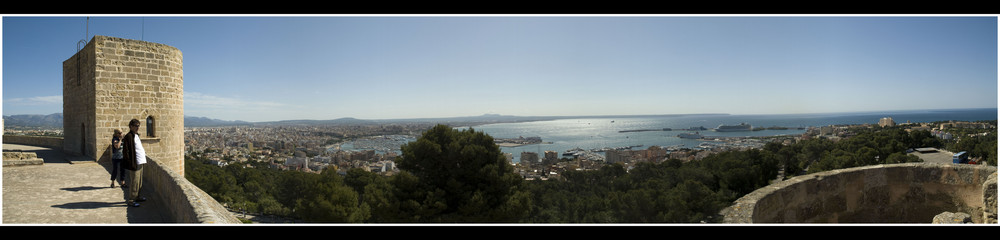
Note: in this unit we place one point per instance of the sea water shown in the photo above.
(606, 132)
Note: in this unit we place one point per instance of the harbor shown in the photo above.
(722, 128)
(594, 144)
(597, 133)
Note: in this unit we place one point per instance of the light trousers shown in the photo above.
(136, 184)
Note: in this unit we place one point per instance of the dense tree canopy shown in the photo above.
(868, 147)
(471, 173)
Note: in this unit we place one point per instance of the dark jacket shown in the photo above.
(128, 149)
(116, 152)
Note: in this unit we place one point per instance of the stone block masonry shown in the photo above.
(114, 80)
(13, 158)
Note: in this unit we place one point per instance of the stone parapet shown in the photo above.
(50, 142)
(892, 193)
(185, 202)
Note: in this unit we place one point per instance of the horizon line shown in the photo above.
(623, 115)
(568, 116)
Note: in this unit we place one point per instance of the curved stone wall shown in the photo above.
(892, 193)
(185, 202)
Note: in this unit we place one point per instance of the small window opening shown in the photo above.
(150, 126)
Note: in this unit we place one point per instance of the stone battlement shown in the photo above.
(891, 193)
(185, 202)
(50, 142)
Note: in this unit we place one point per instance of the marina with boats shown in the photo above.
(704, 142)
(742, 127)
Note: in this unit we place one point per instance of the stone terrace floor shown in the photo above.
(64, 190)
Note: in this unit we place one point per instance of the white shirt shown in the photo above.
(140, 153)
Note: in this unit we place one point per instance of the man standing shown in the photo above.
(135, 157)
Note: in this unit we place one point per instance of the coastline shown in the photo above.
(519, 144)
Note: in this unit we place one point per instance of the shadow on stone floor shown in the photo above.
(90, 205)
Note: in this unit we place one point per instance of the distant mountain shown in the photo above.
(51, 121)
(55, 121)
(190, 121)
(475, 120)
(339, 121)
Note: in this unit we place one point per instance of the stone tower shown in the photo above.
(111, 81)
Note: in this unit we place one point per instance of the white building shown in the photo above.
(886, 122)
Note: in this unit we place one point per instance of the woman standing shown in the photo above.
(117, 171)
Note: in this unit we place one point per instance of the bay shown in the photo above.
(606, 132)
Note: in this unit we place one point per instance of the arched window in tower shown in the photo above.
(150, 127)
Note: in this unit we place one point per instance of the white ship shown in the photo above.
(734, 128)
(694, 135)
(574, 152)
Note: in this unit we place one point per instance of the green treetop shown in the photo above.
(471, 174)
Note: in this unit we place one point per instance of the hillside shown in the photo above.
(55, 121)
(34, 121)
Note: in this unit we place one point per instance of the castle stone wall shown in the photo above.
(892, 193)
(79, 133)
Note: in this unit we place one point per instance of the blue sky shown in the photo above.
(267, 68)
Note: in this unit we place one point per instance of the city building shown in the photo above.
(297, 162)
(942, 134)
(529, 158)
(551, 157)
(886, 122)
(616, 156)
(954, 124)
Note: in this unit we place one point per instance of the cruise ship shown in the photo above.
(734, 128)
(574, 152)
(690, 135)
